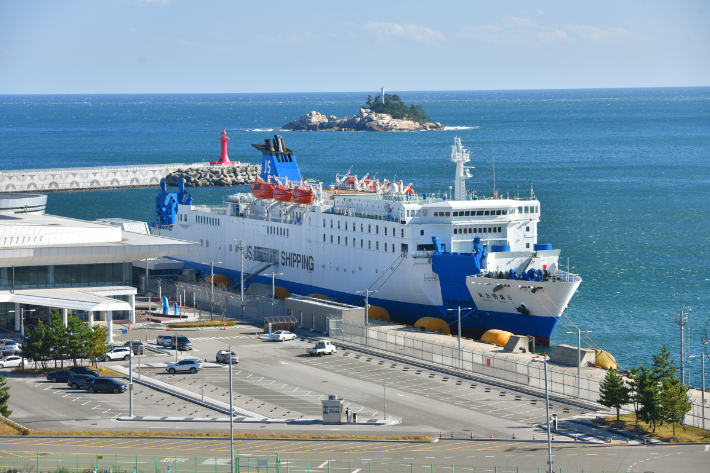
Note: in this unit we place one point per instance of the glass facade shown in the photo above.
(67, 275)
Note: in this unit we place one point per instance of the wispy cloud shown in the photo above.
(418, 33)
(599, 35)
(294, 38)
(515, 29)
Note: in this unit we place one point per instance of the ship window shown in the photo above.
(537, 209)
(385, 231)
(392, 247)
(499, 229)
(425, 213)
(520, 210)
(338, 224)
(448, 214)
(527, 229)
(527, 210)
(436, 214)
(324, 238)
(454, 231)
(487, 212)
(287, 232)
(309, 220)
(421, 232)
(361, 227)
(456, 214)
(377, 245)
(346, 225)
(385, 246)
(527, 245)
(377, 229)
(346, 241)
(331, 238)
(331, 223)
(338, 239)
(360, 243)
(505, 212)
(403, 233)
(479, 212)
(369, 244)
(369, 229)
(498, 212)
(484, 230)
(324, 222)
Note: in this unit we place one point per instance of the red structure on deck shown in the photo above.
(223, 158)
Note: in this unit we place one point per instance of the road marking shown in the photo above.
(324, 464)
(402, 395)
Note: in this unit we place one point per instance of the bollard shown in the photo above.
(513, 436)
(440, 436)
(491, 434)
(471, 434)
(553, 436)
(452, 435)
(533, 436)
(575, 437)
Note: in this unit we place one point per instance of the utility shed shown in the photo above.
(315, 314)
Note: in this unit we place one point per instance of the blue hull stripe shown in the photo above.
(473, 321)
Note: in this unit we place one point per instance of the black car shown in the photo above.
(79, 380)
(61, 376)
(107, 385)
(84, 370)
(137, 346)
(183, 344)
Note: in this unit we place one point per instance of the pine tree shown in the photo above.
(662, 366)
(649, 398)
(4, 397)
(78, 339)
(674, 402)
(633, 384)
(613, 392)
(97, 343)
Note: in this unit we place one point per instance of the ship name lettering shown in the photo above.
(297, 260)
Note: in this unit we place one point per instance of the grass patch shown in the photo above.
(205, 323)
(8, 428)
(44, 371)
(245, 435)
(663, 432)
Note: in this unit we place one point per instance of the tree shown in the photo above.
(662, 366)
(4, 397)
(649, 398)
(633, 384)
(674, 402)
(97, 343)
(78, 339)
(56, 334)
(613, 392)
(394, 106)
(36, 344)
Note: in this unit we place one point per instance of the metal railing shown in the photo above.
(354, 213)
(496, 366)
(243, 463)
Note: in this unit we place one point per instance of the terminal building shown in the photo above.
(80, 268)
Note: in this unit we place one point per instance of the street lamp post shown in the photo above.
(547, 414)
(212, 288)
(241, 246)
(273, 289)
(579, 359)
(231, 415)
(367, 312)
(681, 318)
(22, 331)
(384, 398)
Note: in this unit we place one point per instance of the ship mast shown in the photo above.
(460, 155)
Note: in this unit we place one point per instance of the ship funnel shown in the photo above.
(269, 144)
(278, 142)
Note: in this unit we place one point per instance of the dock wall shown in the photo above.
(104, 177)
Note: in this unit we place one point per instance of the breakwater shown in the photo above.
(116, 177)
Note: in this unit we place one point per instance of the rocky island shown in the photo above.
(381, 114)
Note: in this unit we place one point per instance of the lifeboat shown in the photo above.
(262, 189)
(282, 193)
(302, 195)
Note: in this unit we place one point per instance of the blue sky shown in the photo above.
(178, 46)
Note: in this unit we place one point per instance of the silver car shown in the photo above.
(190, 364)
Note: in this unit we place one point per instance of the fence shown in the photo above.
(85, 463)
(502, 367)
(199, 296)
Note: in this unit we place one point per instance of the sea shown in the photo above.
(623, 177)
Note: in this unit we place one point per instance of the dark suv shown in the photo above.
(107, 385)
(181, 343)
(79, 380)
(137, 346)
(61, 376)
(84, 370)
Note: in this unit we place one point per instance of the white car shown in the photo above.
(118, 353)
(7, 344)
(188, 364)
(283, 335)
(9, 361)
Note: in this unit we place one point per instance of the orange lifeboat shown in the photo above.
(262, 189)
(302, 195)
(282, 193)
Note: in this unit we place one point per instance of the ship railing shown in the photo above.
(564, 276)
(489, 362)
(361, 214)
(421, 254)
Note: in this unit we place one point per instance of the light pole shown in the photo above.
(130, 382)
(231, 415)
(459, 337)
(367, 312)
(705, 340)
(547, 415)
(681, 318)
(384, 398)
(241, 246)
(579, 359)
(212, 287)
(22, 331)
(273, 289)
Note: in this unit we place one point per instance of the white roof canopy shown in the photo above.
(67, 298)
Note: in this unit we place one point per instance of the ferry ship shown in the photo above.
(424, 255)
